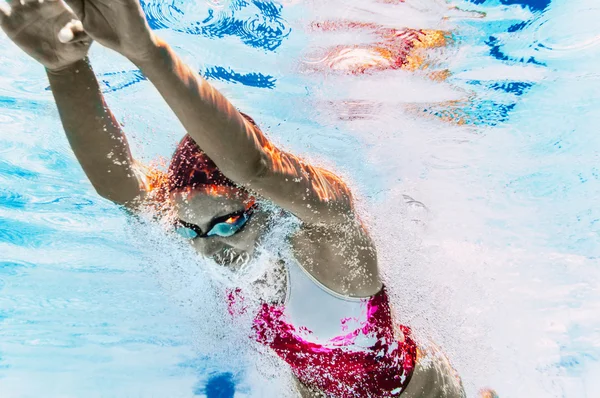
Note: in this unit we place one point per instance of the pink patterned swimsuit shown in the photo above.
(341, 346)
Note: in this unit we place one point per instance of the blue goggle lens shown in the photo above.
(227, 229)
(185, 232)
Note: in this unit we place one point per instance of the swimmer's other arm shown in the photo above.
(237, 147)
(94, 134)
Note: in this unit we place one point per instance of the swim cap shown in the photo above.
(191, 168)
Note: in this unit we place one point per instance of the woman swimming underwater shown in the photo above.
(334, 328)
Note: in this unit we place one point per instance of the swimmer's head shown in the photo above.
(220, 219)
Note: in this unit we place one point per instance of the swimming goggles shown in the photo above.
(224, 226)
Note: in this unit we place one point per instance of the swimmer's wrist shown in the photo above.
(70, 68)
(150, 53)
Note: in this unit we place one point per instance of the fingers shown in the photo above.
(24, 2)
(7, 7)
(5, 11)
(76, 6)
(7, 16)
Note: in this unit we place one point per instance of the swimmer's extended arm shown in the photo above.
(94, 134)
(238, 147)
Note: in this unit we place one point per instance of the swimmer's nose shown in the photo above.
(209, 247)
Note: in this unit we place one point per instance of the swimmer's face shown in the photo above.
(202, 208)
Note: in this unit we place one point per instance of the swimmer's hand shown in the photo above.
(117, 24)
(46, 30)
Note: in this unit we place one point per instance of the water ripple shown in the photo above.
(12, 200)
(23, 234)
(115, 81)
(63, 203)
(17, 172)
(512, 87)
(21, 104)
(249, 79)
(15, 111)
(478, 112)
(40, 204)
(581, 37)
(14, 268)
(538, 185)
(534, 5)
(262, 27)
(496, 50)
(66, 222)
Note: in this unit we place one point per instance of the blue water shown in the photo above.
(501, 270)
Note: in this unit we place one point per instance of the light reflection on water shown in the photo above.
(496, 137)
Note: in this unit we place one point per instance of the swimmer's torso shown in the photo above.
(321, 315)
(344, 347)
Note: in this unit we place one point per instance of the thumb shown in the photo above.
(72, 32)
(76, 6)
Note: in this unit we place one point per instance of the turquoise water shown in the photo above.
(501, 270)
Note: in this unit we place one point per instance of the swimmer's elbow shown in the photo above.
(122, 197)
(116, 198)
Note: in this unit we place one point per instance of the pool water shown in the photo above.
(475, 167)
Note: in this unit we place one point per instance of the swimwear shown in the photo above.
(341, 346)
